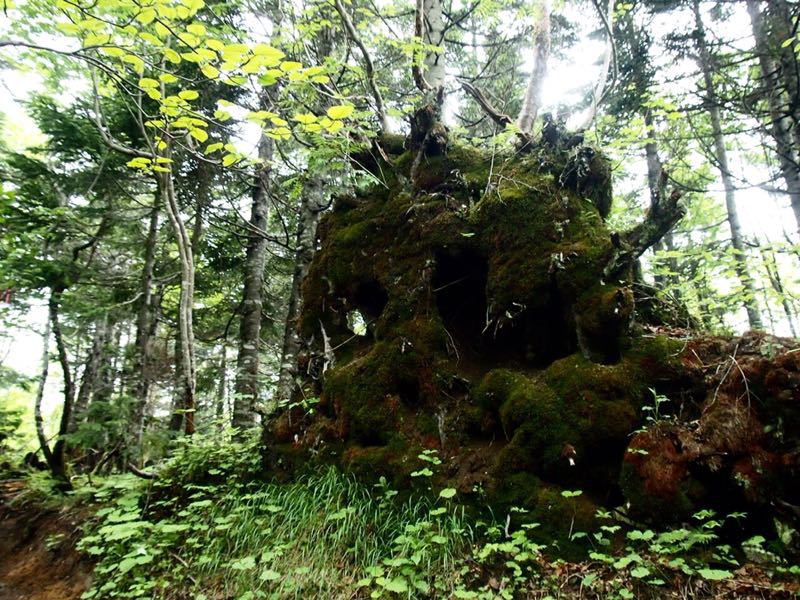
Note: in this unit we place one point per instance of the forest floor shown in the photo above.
(38, 559)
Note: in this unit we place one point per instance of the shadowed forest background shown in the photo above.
(433, 299)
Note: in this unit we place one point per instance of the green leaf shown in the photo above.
(640, 572)
(127, 564)
(269, 575)
(289, 65)
(341, 111)
(714, 574)
(447, 493)
(199, 135)
(135, 62)
(210, 71)
(398, 585)
(305, 118)
(188, 94)
(244, 564)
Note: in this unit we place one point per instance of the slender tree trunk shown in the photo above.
(779, 109)
(222, 384)
(749, 301)
(247, 385)
(37, 407)
(177, 413)
(90, 369)
(313, 200)
(185, 310)
(541, 48)
(433, 38)
(59, 454)
(107, 368)
(653, 181)
(146, 325)
(771, 266)
(599, 90)
(783, 23)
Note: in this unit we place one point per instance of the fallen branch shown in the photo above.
(139, 473)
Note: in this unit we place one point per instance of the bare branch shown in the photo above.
(369, 66)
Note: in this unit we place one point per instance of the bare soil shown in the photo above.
(38, 559)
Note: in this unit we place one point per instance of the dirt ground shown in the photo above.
(38, 560)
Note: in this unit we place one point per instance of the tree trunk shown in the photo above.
(59, 466)
(779, 109)
(247, 376)
(771, 266)
(37, 406)
(313, 200)
(185, 311)
(90, 371)
(178, 392)
(146, 326)
(541, 48)
(749, 300)
(601, 85)
(433, 38)
(222, 387)
(783, 17)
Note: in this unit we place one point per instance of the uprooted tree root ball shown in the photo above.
(483, 308)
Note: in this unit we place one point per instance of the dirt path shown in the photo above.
(38, 560)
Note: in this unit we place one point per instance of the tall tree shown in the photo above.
(720, 156)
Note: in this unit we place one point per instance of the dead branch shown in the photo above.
(139, 473)
(369, 67)
(659, 220)
(502, 119)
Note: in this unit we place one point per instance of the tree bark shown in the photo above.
(222, 387)
(185, 310)
(429, 71)
(146, 326)
(541, 48)
(37, 406)
(773, 272)
(90, 372)
(247, 385)
(749, 301)
(177, 413)
(313, 201)
(59, 466)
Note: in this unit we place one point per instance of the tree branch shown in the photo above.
(661, 217)
(368, 64)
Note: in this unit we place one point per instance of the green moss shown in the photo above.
(515, 490)
(495, 388)
(561, 516)
(541, 247)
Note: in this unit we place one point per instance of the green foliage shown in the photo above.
(203, 522)
(327, 535)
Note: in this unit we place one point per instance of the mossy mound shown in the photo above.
(466, 311)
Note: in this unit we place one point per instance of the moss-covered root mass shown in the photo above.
(466, 311)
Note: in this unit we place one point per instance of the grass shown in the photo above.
(320, 535)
